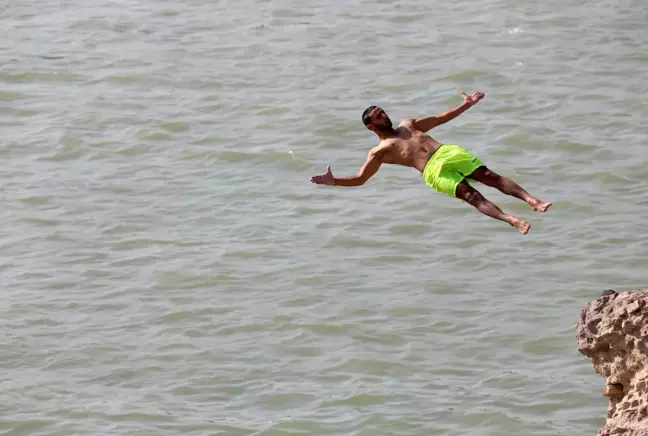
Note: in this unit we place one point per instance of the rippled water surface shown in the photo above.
(168, 268)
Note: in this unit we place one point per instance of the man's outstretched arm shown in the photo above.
(369, 168)
(427, 123)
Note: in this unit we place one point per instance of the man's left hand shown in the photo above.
(472, 99)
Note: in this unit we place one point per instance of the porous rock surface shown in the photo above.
(613, 333)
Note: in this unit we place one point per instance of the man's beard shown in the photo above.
(386, 126)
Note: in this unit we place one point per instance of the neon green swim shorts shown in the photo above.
(448, 167)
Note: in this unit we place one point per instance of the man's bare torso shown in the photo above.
(410, 147)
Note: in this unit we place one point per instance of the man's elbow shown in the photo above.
(361, 179)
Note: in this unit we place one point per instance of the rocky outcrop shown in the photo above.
(613, 333)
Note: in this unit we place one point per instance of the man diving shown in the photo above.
(445, 168)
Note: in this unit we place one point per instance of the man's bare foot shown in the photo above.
(521, 225)
(540, 206)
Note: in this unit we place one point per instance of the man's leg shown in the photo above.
(508, 186)
(474, 198)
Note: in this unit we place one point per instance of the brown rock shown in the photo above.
(613, 333)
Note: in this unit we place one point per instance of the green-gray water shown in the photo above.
(167, 267)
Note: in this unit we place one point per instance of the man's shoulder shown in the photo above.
(407, 122)
(382, 147)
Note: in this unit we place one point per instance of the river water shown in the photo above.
(167, 267)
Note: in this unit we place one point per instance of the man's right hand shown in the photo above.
(324, 179)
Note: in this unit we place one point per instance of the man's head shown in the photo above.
(376, 119)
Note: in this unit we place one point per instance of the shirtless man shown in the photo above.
(445, 168)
